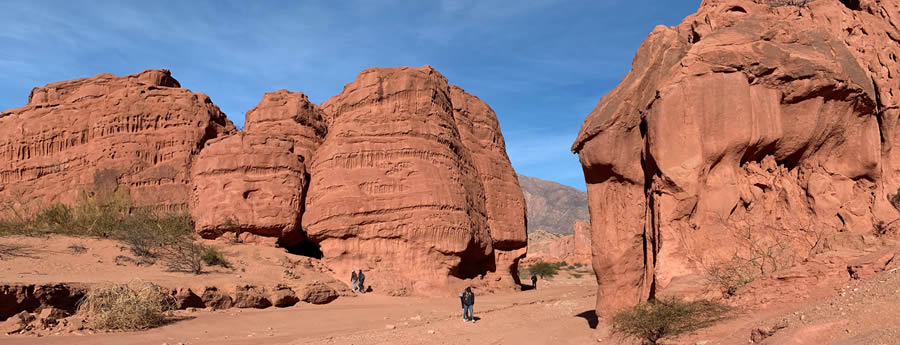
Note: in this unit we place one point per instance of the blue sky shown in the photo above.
(542, 65)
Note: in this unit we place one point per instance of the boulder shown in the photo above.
(17, 323)
(284, 297)
(213, 298)
(248, 296)
(248, 184)
(317, 293)
(747, 128)
(97, 134)
(185, 298)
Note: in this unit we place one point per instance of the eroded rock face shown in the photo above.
(745, 128)
(138, 131)
(286, 114)
(393, 188)
(251, 184)
(504, 202)
(550, 247)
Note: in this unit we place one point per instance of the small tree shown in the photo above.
(670, 317)
(544, 269)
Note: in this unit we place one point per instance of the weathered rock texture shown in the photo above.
(553, 207)
(291, 115)
(138, 131)
(551, 247)
(250, 184)
(746, 129)
(400, 174)
(480, 133)
(253, 183)
(396, 188)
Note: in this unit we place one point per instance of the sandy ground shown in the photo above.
(858, 312)
(542, 316)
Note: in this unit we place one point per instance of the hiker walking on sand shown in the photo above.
(354, 281)
(467, 298)
(361, 281)
(534, 281)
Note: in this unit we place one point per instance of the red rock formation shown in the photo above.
(581, 236)
(746, 127)
(138, 131)
(505, 204)
(254, 183)
(250, 184)
(394, 189)
(288, 114)
(550, 247)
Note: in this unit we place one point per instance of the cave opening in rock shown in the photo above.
(852, 4)
(305, 248)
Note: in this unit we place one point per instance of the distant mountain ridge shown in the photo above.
(552, 207)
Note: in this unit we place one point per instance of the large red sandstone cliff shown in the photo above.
(401, 174)
(139, 131)
(402, 182)
(747, 127)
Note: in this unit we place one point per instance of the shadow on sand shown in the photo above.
(591, 318)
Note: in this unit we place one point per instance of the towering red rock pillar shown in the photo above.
(480, 133)
(747, 126)
(393, 189)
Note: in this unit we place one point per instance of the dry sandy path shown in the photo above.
(543, 316)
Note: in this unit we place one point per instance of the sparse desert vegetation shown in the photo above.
(148, 234)
(656, 320)
(122, 307)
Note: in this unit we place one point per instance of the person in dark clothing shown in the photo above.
(354, 281)
(534, 281)
(362, 281)
(467, 298)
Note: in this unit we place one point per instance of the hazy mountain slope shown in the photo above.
(552, 207)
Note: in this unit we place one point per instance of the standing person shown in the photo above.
(468, 302)
(362, 281)
(354, 281)
(534, 281)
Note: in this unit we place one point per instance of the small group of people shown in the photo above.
(358, 281)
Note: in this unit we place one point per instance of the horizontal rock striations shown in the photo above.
(747, 128)
(394, 189)
(400, 175)
(138, 131)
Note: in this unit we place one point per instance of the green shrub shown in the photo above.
(670, 317)
(570, 267)
(213, 257)
(544, 269)
(122, 307)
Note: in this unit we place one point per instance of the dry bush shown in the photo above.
(185, 256)
(670, 317)
(77, 248)
(781, 3)
(731, 275)
(124, 308)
